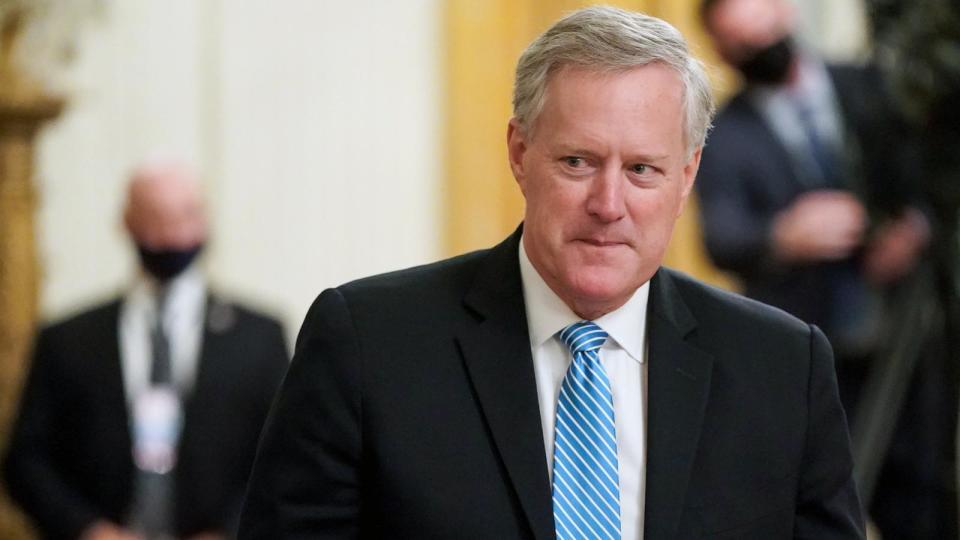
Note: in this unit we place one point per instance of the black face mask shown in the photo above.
(769, 65)
(168, 263)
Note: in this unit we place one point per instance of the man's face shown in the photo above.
(741, 27)
(165, 210)
(605, 176)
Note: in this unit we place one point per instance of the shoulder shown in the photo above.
(857, 86)
(854, 73)
(726, 317)
(224, 309)
(761, 355)
(864, 94)
(85, 323)
(76, 340)
(736, 120)
(439, 282)
(735, 111)
(394, 305)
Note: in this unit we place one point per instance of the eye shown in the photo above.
(642, 171)
(574, 161)
(643, 174)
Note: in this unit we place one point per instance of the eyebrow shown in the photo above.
(649, 158)
(575, 151)
(643, 158)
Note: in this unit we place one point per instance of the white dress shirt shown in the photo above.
(182, 322)
(623, 356)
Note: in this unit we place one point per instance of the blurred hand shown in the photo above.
(821, 225)
(104, 530)
(893, 252)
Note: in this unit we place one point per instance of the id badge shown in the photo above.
(157, 420)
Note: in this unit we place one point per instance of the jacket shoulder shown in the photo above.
(446, 277)
(82, 322)
(736, 120)
(395, 303)
(734, 110)
(245, 313)
(726, 309)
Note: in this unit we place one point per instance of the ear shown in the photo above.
(689, 175)
(516, 149)
(128, 221)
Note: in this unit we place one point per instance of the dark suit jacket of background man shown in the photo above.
(410, 411)
(747, 176)
(70, 460)
(745, 179)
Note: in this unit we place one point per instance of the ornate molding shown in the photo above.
(24, 109)
(39, 41)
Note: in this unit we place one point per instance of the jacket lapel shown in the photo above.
(679, 384)
(496, 352)
(212, 354)
(770, 144)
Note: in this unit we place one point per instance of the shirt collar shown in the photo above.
(812, 82)
(547, 314)
(185, 292)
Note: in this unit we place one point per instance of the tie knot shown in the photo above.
(583, 336)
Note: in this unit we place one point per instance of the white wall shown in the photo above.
(316, 124)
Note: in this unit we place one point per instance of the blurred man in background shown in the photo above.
(802, 191)
(140, 417)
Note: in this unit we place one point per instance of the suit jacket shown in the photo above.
(410, 411)
(69, 460)
(747, 176)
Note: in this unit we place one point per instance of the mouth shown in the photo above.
(596, 242)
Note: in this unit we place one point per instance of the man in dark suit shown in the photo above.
(140, 417)
(806, 199)
(792, 161)
(563, 384)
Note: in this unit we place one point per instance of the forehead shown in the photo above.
(640, 105)
(164, 196)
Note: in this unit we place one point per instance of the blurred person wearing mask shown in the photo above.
(140, 417)
(803, 189)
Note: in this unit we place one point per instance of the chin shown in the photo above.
(600, 289)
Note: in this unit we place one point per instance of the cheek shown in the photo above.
(649, 207)
(554, 207)
(654, 216)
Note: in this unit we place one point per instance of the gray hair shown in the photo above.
(610, 39)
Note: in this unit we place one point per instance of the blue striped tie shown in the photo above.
(586, 486)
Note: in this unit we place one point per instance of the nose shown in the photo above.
(605, 200)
